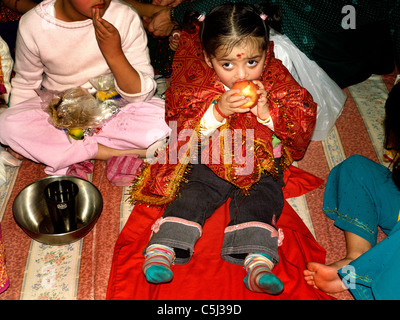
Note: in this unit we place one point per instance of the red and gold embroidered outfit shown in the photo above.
(194, 86)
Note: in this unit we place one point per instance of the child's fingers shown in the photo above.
(104, 29)
(236, 103)
(106, 25)
(232, 93)
(96, 19)
(99, 23)
(259, 84)
(262, 96)
(173, 44)
(146, 21)
(261, 90)
(95, 14)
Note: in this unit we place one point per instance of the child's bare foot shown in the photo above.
(325, 277)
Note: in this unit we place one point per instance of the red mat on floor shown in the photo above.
(207, 276)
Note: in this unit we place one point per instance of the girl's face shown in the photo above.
(244, 62)
(78, 10)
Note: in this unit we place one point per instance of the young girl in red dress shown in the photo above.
(223, 151)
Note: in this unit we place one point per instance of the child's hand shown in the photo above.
(109, 41)
(230, 102)
(174, 39)
(107, 36)
(261, 109)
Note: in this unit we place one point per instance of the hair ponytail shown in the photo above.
(273, 15)
(191, 21)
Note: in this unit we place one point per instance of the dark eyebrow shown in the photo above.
(255, 57)
(229, 60)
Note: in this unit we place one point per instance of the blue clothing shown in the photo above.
(360, 195)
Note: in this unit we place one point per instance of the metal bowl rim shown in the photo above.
(57, 235)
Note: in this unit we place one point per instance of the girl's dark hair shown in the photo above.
(392, 130)
(231, 23)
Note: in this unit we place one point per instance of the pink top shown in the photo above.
(59, 55)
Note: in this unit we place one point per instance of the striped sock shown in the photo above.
(157, 263)
(259, 276)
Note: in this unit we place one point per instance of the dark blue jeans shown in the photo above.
(253, 217)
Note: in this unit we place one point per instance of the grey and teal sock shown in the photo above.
(259, 276)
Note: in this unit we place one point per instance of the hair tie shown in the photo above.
(263, 16)
(201, 17)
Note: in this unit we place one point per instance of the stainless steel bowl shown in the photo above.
(31, 211)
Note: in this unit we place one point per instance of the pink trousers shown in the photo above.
(26, 129)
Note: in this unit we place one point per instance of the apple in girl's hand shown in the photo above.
(249, 90)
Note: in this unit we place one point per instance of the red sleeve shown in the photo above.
(292, 108)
